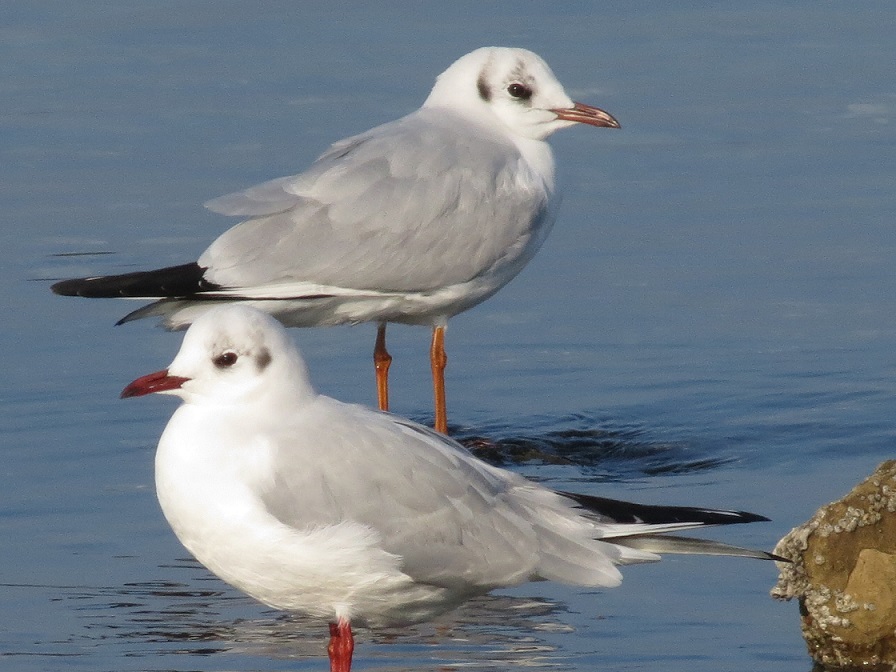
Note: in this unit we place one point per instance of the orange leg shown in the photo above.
(381, 362)
(438, 359)
(341, 646)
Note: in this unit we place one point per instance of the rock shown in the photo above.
(843, 572)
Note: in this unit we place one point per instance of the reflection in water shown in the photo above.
(165, 617)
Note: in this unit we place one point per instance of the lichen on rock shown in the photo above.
(843, 572)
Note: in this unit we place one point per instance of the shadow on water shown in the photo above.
(608, 451)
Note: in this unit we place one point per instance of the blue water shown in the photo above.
(712, 321)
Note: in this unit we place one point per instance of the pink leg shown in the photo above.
(341, 646)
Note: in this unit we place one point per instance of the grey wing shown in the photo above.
(409, 206)
(452, 519)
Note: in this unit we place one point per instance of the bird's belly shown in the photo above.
(328, 571)
(353, 306)
(311, 577)
(421, 308)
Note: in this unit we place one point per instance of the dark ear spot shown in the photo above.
(484, 92)
(263, 359)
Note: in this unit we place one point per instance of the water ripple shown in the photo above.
(160, 618)
(607, 450)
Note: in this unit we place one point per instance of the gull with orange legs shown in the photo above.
(410, 222)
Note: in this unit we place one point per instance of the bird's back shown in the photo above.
(453, 520)
(428, 201)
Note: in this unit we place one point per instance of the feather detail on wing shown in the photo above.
(454, 520)
(401, 208)
(267, 198)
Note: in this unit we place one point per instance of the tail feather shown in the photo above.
(642, 527)
(173, 281)
(618, 511)
(659, 544)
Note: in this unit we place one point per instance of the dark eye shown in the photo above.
(517, 90)
(225, 360)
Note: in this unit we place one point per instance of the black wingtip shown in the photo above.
(68, 287)
(173, 281)
(629, 512)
